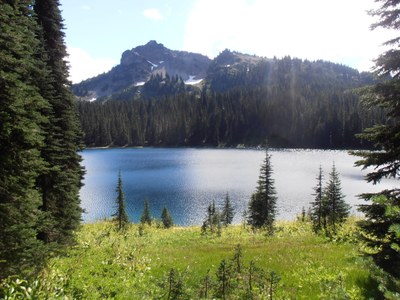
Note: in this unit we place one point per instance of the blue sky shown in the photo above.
(98, 31)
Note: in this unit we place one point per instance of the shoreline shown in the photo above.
(238, 147)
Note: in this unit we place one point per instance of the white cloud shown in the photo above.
(83, 66)
(86, 7)
(337, 31)
(153, 14)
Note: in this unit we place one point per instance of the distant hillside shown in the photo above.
(154, 71)
(137, 66)
(291, 102)
(232, 70)
(241, 100)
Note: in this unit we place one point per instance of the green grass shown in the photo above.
(109, 264)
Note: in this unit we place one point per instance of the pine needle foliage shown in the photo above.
(337, 210)
(21, 138)
(329, 210)
(121, 215)
(262, 206)
(380, 229)
(40, 137)
(318, 213)
(61, 181)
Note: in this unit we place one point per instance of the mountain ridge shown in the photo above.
(138, 65)
(154, 71)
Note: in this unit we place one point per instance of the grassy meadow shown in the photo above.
(146, 262)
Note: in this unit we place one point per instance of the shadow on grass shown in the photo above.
(369, 286)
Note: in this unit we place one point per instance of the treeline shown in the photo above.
(156, 86)
(231, 70)
(294, 103)
(40, 134)
(289, 116)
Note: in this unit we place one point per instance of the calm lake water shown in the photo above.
(187, 180)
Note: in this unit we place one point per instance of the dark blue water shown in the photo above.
(187, 180)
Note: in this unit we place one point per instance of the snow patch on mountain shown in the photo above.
(152, 65)
(193, 81)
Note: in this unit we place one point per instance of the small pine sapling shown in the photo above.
(146, 216)
(166, 218)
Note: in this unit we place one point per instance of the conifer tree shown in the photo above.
(337, 210)
(60, 182)
(207, 223)
(228, 211)
(21, 138)
(212, 214)
(224, 278)
(146, 216)
(262, 205)
(381, 226)
(318, 207)
(166, 218)
(237, 259)
(174, 286)
(212, 221)
(120, 215)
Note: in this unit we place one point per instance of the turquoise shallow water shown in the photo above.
(187, 180)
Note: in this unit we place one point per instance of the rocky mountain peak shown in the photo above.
(139, 64)
(152, 51)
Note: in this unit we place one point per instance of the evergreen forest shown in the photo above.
(291, 102)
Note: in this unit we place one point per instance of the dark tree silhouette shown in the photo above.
(146, 215)
(262, 206)
(318, 207)
(120, 215)
(337, 210)
(381, 226)
(61, 181)
(228, 212)
(21, 139)
(166, 218)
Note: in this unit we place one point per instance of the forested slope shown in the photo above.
(291, 102)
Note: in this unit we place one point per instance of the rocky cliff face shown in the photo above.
(138, 65)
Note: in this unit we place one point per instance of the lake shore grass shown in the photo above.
(134, 264)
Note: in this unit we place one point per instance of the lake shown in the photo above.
(187, 180)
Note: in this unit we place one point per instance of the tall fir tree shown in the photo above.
(337, 210)
(120, 214)
(61, 181)
(318, 207)
(381, 226)
(262, 205)
(228, 212)
(21, 138)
